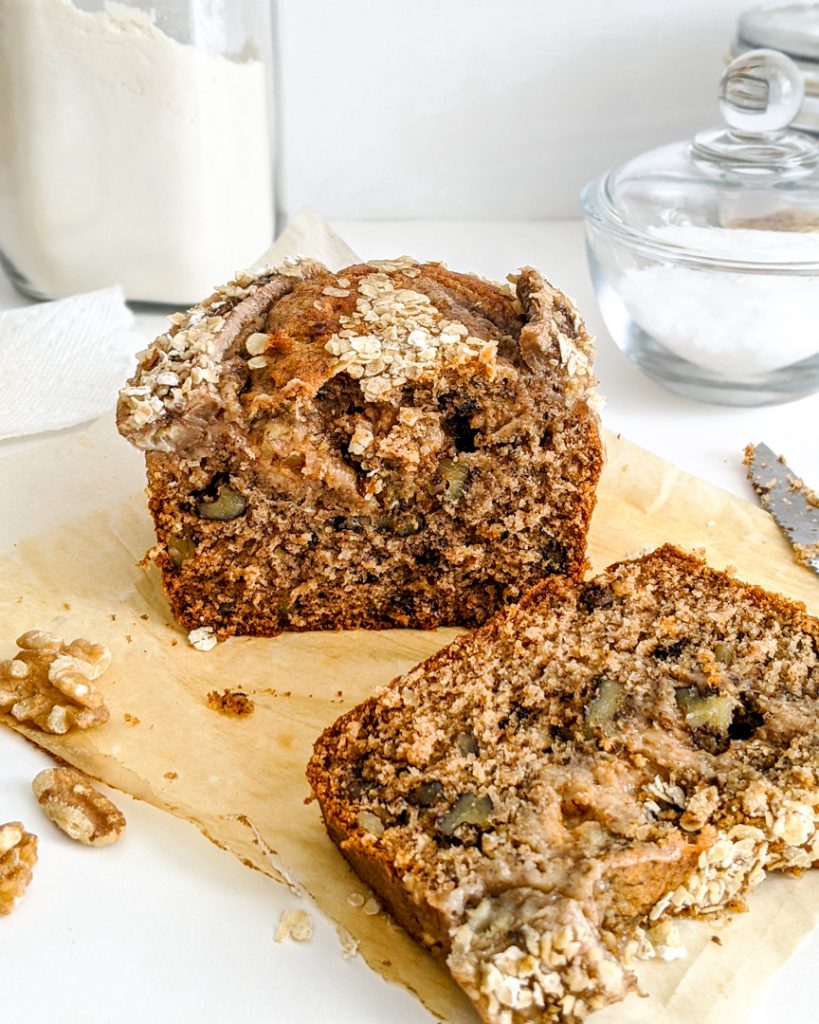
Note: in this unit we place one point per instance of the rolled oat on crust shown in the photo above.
(540, 800)
(392, 445)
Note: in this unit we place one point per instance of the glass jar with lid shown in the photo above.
(135, 144)
(793, 29)
(705, 254)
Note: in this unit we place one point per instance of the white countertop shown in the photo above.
(163, 926)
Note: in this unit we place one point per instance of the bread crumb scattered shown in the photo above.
(130, 719)
(231, 702)
(296, 925)
(355, 899)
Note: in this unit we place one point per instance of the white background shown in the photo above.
(486, 108)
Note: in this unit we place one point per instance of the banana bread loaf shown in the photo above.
(392, 445)
(539, 799)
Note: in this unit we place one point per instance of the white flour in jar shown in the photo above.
(736, 324)
(126, 156)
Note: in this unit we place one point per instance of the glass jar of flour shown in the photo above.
(135, 144)
(705, 253)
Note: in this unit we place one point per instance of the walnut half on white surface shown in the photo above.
(77, 808)
(48, 683)
(18, 855)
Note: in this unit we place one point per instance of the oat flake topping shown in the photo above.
(397, 335)
(189, 354)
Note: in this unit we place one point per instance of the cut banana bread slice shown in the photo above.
(392, 445)
(537, 801)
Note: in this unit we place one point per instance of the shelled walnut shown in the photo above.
(48, 683)
(18, 855)
(77, 808)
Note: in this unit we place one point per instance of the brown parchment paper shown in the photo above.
(73, 531)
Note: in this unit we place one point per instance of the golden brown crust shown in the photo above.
(393, 445)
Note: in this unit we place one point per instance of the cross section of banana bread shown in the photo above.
(392, 445)
(540, 799)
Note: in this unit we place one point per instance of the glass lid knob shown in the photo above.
(760, 93)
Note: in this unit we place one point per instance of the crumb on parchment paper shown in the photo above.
(231, 702)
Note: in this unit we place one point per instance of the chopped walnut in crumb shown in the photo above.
(296, 925)
(48, 684)
(231, 702)
(18, 855)
(76, 808)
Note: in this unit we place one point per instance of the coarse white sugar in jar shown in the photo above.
(704, 253)
(725, 321)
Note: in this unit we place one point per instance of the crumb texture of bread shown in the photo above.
(396, 444)
(541, 799)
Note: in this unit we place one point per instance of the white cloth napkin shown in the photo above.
(63, 362)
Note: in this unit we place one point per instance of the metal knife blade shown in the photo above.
(792, 506)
